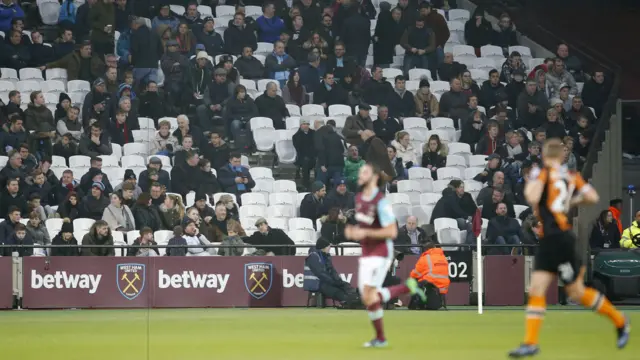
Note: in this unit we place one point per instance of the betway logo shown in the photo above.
(191, 280)
(291, 280)
(62, 280)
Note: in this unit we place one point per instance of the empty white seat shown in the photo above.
(7, 86)
(132, 236)
(414, 122)
(294, 110)
(430, 198)
(492, 52)
(82, 224)
(262, 84)
(477, 160)
(58, 162)
(479, 75)
(132, 161)
(249, 84)
(399, 198)
(457, 161)
(284, 186)
(285, 151)
(264, 48)
(440, 87)
(422, 213)
(459, 14)
(56, 74)
(449, 173)
(263, 185)
(391, 73)
(28, 86)
(253, 199)
(401, 212)
(140, 149)
(533, 62)
(261, 173)
(470, 173)
(79, 161)
(253, 211)
(264, 138)
(260, 122)
(448, 232)
(285, 199)
(205, 11)
(439, 185)
(411, 188)
(31, 74)
(312, 110)
(519, 209)
(79, 86)
(423, 177)
(292, 123)
(472, 187)
(301, 224)
(419, 74)
(109, 161)
(464, 51)
(53, 86)
(286, 211)
(225, 10)
(10, 74)
(337, 110)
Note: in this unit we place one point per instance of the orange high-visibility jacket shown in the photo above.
(433, 267)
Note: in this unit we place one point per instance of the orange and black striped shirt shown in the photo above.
(560, 185)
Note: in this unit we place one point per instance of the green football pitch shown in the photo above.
(300, 334)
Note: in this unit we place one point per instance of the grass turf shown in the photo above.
(192, 334)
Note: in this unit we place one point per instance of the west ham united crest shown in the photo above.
(130, 279)
(258, 278)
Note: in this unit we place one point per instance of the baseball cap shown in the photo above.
(564, 85)
(99, 81)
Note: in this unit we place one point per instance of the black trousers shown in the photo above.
(335, 292)
(306, 164)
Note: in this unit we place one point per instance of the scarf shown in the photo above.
(125, 131)
(238, 171)
(513, 151)
(296, 93)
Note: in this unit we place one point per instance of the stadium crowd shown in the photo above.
(133, 125)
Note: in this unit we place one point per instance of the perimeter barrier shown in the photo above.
(218, 281)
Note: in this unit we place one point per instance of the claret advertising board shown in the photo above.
(168, 282)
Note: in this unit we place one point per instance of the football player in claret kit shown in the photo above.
(552, 191)
(375, 230)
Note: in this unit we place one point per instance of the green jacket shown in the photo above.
(101, 15)
(351, 169)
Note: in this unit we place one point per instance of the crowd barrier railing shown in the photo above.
(42, 282)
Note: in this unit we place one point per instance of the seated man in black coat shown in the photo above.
(312, 206)
(401, 102)
(235, 178)
(266, 235)
(328, 93)
(183, 176)
(456, 204)
(489, 209)
(320, 275)
(503, 230)
(411, 234)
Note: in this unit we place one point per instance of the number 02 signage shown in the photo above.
(460, 265)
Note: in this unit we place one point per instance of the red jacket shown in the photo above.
(616, 215)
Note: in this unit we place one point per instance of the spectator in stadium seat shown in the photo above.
(151, 102)
(504, 34)
(248, 66)
(317, 43)
(329, 93)
(96, 105)
(389, 30)
(356, 124)
(377, 89)
(269, 25)
(419, 43)
(321, 275)
(457, 204)
(385, 127)
(64, 45)
(577, 111)
(145, 52)
(478, 31)
(510, 65)
(311, 12)
(13, 108)
(192, 17)
(356, 34)
(238, 110)
(102, 21)
(298, 35)
(532, 105)
(118, 215)
(563, 95)
(400, 101)
(7, 227)
(235, 178)
(174, 66)
(294, 92)
(145, 239)
(182, 175)
(596, 92)
(40, 53)
(453, 103)
(9, 10)
(29, 161)
(199, 77)
(69, 208)
(270, 104)
(95, 143)
(495, 163)
(65, 237)
(233, 76)
(171, 211)
(426, 104)
(434, 155)
(66, 146)
(405, 149)
(95, 202)
(497, 182)
(513, 150)
(130, 192)
(504, 230)
(352, 164)
(111, 80)
(338, 63)
(178, 243)
(13, 135)
(14, 168)
(38, 232)
(146, 215)
(267, 235)
(581, 126)
(411, 234)
(120, 133)
(16, 54)
(490, 89)
(95, 174)
(497, 198)
(206, 180)
(310, 75)
(340, 197)
(449, 69)
(473, 129)
(581, 147)
(205, 211)
(20, 236)
(572, 63)
(11, 196)
(514, 88)
(165, 17)
(184, 129)
(470, 87)
(99, 234)
(333, 225)
(557, 76)
(217, 92)
(304, 143)
(40, 185)
(313, 206)
(40, 142)
(278, 64)
(553, 128)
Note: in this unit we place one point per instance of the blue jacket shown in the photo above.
(269, 29)
(227, 176)
(8, 13)
(170, 21)
(318, 268)
(124, 42)
(67, 12)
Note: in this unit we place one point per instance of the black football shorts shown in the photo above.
(557, 254)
